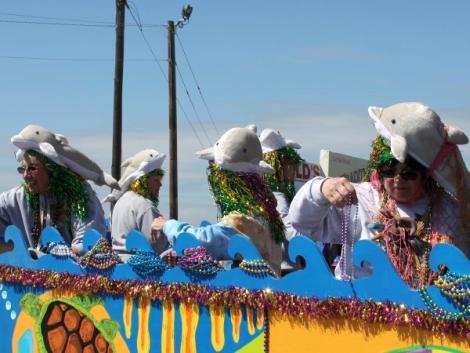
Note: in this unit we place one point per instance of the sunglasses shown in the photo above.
(405, 174)
(30, 170)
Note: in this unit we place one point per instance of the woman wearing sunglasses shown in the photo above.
(416, 195)
(54, 191)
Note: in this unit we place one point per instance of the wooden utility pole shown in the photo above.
(172, 122)
(118, 78)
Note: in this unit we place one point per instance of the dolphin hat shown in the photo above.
(57, 148)
(238, 150)
(415, 129)
(138, 165)
(272, 140)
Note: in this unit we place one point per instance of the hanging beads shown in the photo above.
(60, 250)
(257, 267)
(146, 263)
(197, 261)
(101, 256)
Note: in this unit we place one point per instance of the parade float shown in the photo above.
(58, 303)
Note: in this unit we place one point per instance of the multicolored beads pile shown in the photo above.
(456, 288)
(101, 256)
(60, 250)
(257, 267)
(197, 261)
(146, 263)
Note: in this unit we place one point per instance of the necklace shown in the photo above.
(257, 267)
(198, 262)
(346, 265)
(147, 263)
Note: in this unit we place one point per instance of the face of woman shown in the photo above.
(154, 183)
(35, 174)
(402, 183)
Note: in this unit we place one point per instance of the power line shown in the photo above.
(68, 21)
(197, 84)
(69, 24)
(162, 72)
(192, 104)
(36, 58)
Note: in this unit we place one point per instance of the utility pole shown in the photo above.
(173, 148)
(172, 122)
(118, 78)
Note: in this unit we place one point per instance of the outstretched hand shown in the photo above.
(339, 191)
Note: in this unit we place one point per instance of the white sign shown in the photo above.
(334, 164)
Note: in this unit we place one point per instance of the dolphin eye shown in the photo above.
(37, 132)
(393, 121)
(151, 155)
(216, 143)
(244, 150)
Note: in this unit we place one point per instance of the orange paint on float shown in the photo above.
(143, 338)
(189, 319)
(168, 327)
(236, 318)
(259, 319)
(250, 321)
(127, 315)
(217, 314)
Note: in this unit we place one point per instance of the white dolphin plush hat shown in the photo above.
(141, 163)
(272, 140)
(238, 150)
(57, 148)
(416, 130)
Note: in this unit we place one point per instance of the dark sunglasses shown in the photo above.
(30, 169)
(405, 174)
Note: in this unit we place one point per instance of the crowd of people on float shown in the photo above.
(415, 195)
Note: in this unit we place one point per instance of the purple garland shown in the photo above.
(287, 304)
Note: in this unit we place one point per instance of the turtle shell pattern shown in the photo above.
(67, 330)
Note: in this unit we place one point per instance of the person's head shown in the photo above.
(149, 185)
(281, 154)
(403, 182)
(235, 178)
(35, 173)
(143, 175)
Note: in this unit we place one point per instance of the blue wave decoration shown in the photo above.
(314, 280)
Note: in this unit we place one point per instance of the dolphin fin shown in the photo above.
(456, 136)
(127, 162)
(399, 148)
(48, 150)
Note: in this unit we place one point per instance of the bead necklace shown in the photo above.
(101, 256)
(257, 267)
(346, 266)
(456, 288)
(197, 261)
(60, 250)
(147, 263)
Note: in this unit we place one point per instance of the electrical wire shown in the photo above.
(36, 58)
(197, 85)
(192, 104)
(163, 72)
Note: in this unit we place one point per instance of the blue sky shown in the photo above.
(307, 68)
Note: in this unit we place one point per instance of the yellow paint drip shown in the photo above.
(250, 321)
(236, 318)
(217, 314)
(168, 327)
(143, 337)
(127, 315)
(189, 319)
(259, 319)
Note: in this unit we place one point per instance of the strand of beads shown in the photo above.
(147, 263)
(101, 256)
(60, 250)
(345, 260)
(457, 289)
(257, 267)
(197, 261)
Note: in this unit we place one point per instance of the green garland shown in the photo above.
(67, 187)
(247, 194)
(277, 180)
(380, 155)
(140, 186)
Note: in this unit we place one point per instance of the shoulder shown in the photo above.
(10, 196)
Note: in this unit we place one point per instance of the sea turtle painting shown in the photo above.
(67, 324)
